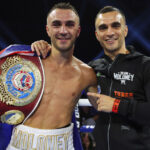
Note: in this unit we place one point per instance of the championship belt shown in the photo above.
(21, 85)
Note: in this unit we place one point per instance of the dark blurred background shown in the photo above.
(23, 21)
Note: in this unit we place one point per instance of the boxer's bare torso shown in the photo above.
(63, 86)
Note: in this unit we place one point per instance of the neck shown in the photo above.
(114, 53)
(61, 57)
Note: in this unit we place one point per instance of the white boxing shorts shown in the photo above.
(28, 138)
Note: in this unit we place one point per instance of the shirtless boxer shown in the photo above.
(50, 126)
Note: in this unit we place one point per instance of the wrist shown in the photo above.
(116, 106)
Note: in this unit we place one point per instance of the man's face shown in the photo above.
(63, 28)
(111, 31)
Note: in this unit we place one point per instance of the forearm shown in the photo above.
(93, 101)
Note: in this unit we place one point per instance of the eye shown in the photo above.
(102, 27)
(70, 23)
(116, 25)
(56, 23)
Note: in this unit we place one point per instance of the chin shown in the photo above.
(111, 50)
(64, 49)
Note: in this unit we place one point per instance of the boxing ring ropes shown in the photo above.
(83, 128)
(84, 102)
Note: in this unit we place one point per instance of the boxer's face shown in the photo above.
(63, 28)
(111, 31)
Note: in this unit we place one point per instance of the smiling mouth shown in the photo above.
(63, 38)
(110, 41)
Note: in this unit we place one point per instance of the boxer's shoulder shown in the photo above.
(88, 73)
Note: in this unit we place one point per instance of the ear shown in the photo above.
(126, 30)
(47, 30)
(96, 34)
(79, 30)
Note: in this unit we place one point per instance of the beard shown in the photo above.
(112, 49)
(63, 48)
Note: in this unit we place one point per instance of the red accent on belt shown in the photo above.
(115, 106)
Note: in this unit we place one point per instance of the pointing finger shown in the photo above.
(93, 94)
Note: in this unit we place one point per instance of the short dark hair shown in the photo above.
(63, 5)
(107, 9)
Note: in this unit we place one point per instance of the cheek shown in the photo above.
(123, 33)
(122, 36)
(49, 33)
(52, 31)
(100, 37)
(75, 32)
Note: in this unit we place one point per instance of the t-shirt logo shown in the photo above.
(123, 77)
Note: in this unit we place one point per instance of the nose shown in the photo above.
(110, 31)
(63, 29)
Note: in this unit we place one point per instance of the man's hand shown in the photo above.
(105, 103)
(41, 47)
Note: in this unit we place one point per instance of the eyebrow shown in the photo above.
(116, 23)
(56, 21)
(71, 21)
(102, 26)
(105, 25)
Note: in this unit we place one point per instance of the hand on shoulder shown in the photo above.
(41, 47)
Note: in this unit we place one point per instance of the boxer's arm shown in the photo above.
(92, 88)
(92, 99)
(41, 47)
